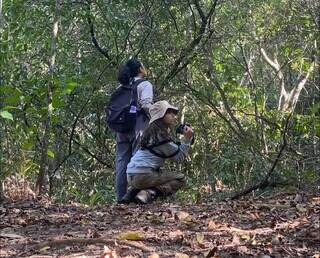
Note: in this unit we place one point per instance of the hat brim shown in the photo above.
(163, 112)
(173, 110)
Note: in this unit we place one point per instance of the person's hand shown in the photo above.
(188, 132)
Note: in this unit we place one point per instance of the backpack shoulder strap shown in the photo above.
(135, 89)
(160, 155)
(136, 82)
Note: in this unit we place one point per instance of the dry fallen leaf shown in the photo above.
(177, 236)
(242, 249)
(200, 238)
(45, 248)
(300, 208)
(131, 235)
(212, 225)
(236, 240)
(245, 237)
(154, 256)
(107, 253)
(181, 255)
(184, 216)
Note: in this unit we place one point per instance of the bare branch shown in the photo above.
(104, 52)
(209, 102)
(304, 79)
(266, 181)
(127, 38)
(173, 18)
(200, 11)
(88, 241)
(295, 92)
(273, 64)
(186, 51)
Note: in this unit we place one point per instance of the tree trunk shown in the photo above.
(43, 170)
(0, 11)
(287, 100)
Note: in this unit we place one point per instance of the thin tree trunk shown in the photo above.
(54, 162)
(287, 100)
(0, 13)
(47, 123)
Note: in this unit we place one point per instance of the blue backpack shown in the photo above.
(122, 108)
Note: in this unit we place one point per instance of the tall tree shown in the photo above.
(43, 170)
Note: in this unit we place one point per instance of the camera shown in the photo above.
(180, 128)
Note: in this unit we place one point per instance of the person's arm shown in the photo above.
(179, 152)
(145, 95)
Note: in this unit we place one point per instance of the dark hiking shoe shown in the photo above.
(145, 196)
(129, 196)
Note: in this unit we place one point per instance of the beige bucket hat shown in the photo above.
(159, 109)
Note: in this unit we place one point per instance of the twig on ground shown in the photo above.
(90, 241)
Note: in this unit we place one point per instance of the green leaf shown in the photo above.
(6, 115)
(10, 107)
(50, 154)
(70, 87)
(57, 102)
(27, 145)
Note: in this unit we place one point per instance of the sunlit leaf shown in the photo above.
(50, 154)
(70, 87)
(6, 115)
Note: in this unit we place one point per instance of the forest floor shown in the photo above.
(284, 225)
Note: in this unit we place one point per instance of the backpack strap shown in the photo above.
(135, 89)
(160, 155)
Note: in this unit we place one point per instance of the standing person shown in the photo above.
(132, 72)
(146, 179)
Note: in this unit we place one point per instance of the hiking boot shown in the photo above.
(145, 196)
(129, 196)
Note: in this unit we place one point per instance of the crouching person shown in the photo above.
(146, 179)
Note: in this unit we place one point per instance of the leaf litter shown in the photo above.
(280, 226)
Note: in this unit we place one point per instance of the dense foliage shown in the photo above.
(245, 74)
